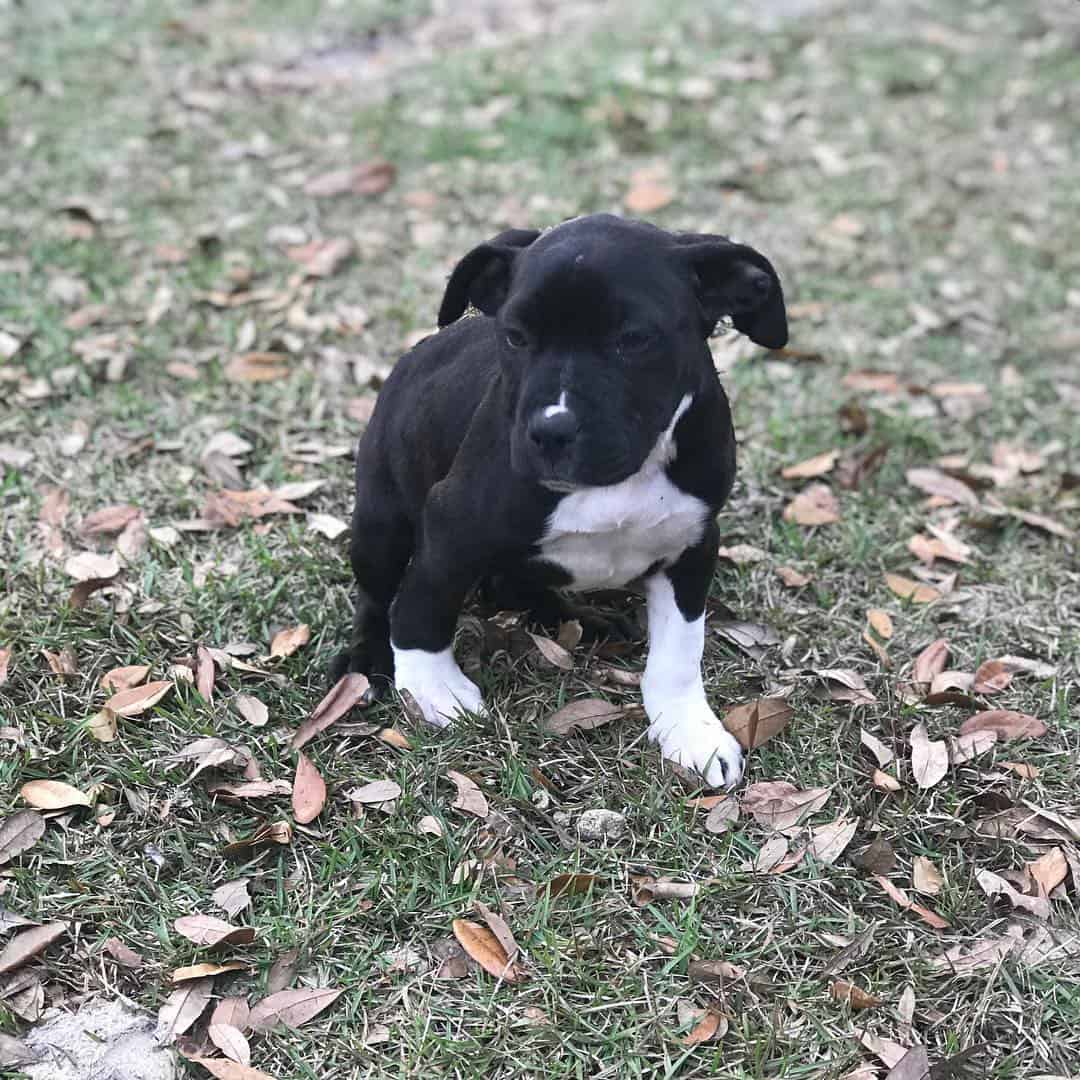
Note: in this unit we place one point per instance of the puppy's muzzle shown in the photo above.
(552, 433)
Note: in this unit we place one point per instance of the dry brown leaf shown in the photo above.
(283, 970)
(273, 832)
(993, 676)
(929, 758)
(19, 832)
(943, 546)
(988, 952)
(53, 795)
(309, 791)
(714, 971)
(1022, 769)
(915, 591)
(138, 699)
(885, 782)
(742, 554)
(853, 995)
(708, 1024)
(292, 1007)
(251, 789)
(227, 1069)
(205, 673)
(349, 691)
(257, 367)
(231, 1042)
(994, 885)
(926, 878)
(322, 258)
(914, 1065)
(28, 943)
(392, 737)
(829, 842)
(582, 715)
(286, 642)
(876, 747)
(792, 578)
(429, 826)
(103, 725)
(818, 465)
(572, 884)
(5, 660)
(212, 932)
(62, 663)
(1005, 723)
(366, 178)
(182, 1008)
(469, 796)
(553, 652)
(880, 622)
(122, 954)
(755, 722)
(780, 805)
(815, 505)
(376, 793)
(231, 1011)
(251, 709)
(484, 947)
(930, 662)
(935, 482)
(232, 897)
(1049, 870)
(108, 520)
(124, 678)
(849, 685)
(1040, 521)
(722, 816)
(931, 918)
(498, 926)
(202, 971)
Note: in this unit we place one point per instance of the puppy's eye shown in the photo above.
(515, 338)
(634, 340)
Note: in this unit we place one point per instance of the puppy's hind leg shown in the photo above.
(381, 546)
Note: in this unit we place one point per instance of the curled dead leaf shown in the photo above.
(755, 722)
(53, 795)
(1006, 723)
(348, 692)
(853, 995)
(469, 796)
(915, 591)
(286, 642)
(484, 947)
(308, 792)
(815, 505)
(213, 932)
(582, 715)
(929, 758)
(137, 699)
(572, 884)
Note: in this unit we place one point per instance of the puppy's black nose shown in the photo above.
(552, 431)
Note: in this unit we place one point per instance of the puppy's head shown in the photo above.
(601, 324)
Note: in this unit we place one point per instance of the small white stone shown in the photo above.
(601, 825)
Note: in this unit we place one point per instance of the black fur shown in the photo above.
(457, 474)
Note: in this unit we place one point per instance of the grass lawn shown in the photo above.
(185, 307)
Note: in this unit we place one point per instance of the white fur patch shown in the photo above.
(680, 719)
(439, 687)
(558, 407)
(606, 536)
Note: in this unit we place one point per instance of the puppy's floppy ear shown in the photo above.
(483, 276)
(733, 279)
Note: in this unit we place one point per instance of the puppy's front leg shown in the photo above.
(423, 618)
(681, 721)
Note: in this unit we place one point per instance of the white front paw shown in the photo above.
(439, 687)
(689, 734)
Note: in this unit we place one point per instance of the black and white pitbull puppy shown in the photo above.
(574, 435)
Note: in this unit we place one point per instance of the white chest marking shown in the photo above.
(606, 536)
